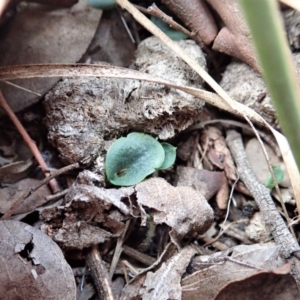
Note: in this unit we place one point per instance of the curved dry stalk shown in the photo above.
(295, 4)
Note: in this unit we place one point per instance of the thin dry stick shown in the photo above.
(118, 251)
(261, 194)
(143, 258)
(156, 12)
(52, 175)
(99, 273)
(31, 144)
(21, 88)
(58, 195)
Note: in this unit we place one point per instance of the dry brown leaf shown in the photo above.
(264, 285)
(256, 230)
(164, 284)
(32, 265)
(181, 208)
(10, 194)
(93, 215)
(44, 34)
(207, 183)
(211, 273)
(110, 37)
(218, 152)
(168, 264)
(13, 172)
(259, 164)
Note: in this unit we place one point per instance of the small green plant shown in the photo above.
(102, 4)
(131, 159)
(279, 175)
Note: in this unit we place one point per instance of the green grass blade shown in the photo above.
(272, 49)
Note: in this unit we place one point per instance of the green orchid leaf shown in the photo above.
(279, 175)
(169, 31)
(102, 4)
(170, 156)
(131, 159)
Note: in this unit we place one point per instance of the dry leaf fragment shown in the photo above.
(164, 284)
(13, 172)
(211, 273)
(256, 230)
(45, 34)
(32, 265)
(259, 164)
(218, 152)
(264, 285)
(10, 194)
(181, 208)
(93, 215)
(207, 183)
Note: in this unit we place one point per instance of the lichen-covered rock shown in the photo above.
(82, 113)
(248, 87)
(292, 25)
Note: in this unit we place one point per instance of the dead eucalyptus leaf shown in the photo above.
(164, 283)
(10, 194)
(218, 152)
(209, 273)
(93, 215)
(181, 208)
(45, 34)
(110, 37)
(133, 289)
(15, 171)
(207, 183)
(264, 285)
(33, 266)
(256, 230)
(259, 164)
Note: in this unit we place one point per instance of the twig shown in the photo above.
(52, 175)
(143, 258)
(118, 251)
(261, 194)
(31, 144)
(99, 273)
(156, 12)
(21, 88)
(57, 196)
